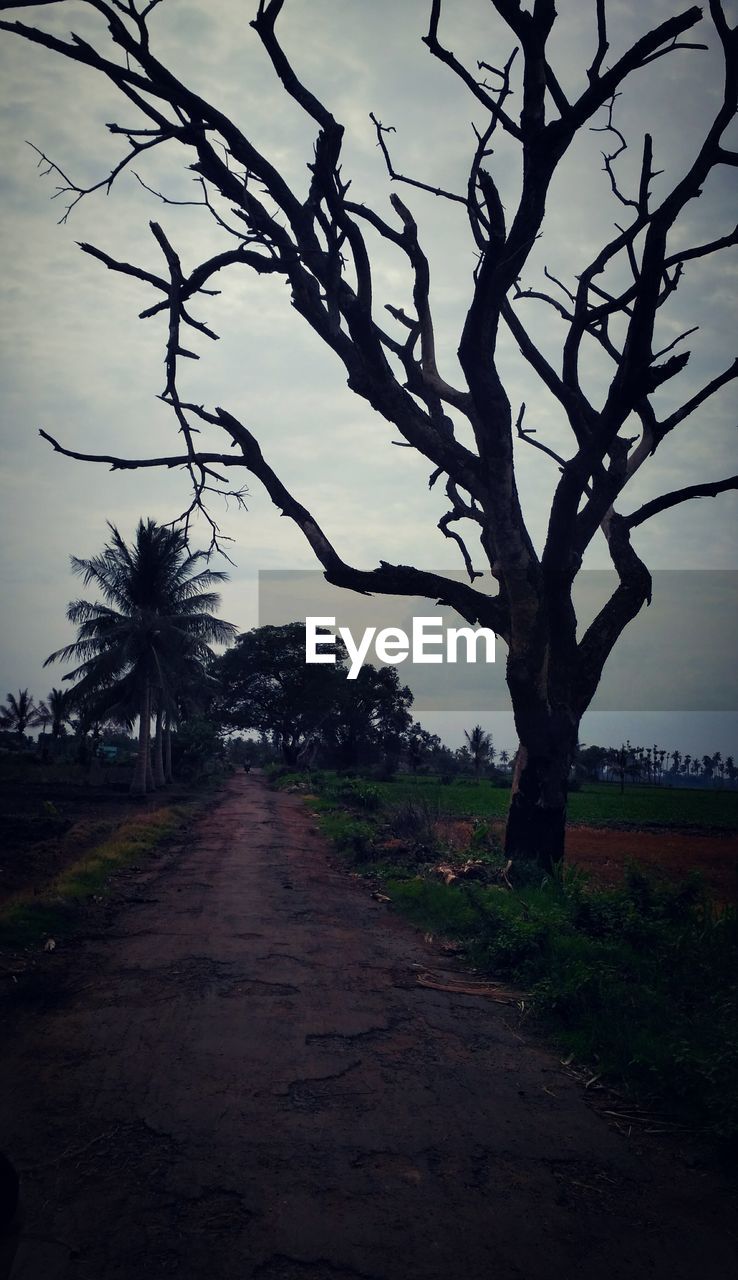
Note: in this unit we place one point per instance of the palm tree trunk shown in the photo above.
(168, 774)
(139, 781)
(159, 778)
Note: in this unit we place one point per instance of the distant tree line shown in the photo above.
(144, 657)
(655, 766)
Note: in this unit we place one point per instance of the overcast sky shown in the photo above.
(77, 361)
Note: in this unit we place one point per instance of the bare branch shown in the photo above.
(602, 43)
(117, 463)
(678, 339)
(71, 188)
(380, 130)
(677, 496)
(578, 409)
(694, 402)
(473, 605)
(527, 434)
(445, 55)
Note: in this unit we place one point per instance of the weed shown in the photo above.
(27, 917)
(415, 822)
(350, 835)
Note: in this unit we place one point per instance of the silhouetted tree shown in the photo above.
(19, 713)
(369, 717)
(267, 685)
(480, 747)
(623, 761)
(56, 710)
(426, 749)
(155, 621)
(318, 241)
(592, 760)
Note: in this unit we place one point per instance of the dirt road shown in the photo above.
(240, 1077)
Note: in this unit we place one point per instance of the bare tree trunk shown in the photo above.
(536, 821)
(139, 782)
(159, 777)
(150, 784)
(168, 774)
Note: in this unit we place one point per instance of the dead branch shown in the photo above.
(677, 496)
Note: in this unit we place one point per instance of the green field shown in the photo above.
(597, 804)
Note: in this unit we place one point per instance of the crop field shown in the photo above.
(596, 805)
(668, 832)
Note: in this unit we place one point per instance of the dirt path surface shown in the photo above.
(241, 1077)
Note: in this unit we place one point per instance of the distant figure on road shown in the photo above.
(247, 766)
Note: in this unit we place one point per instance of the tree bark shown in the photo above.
(168, 773)
(159, 776)
(536, 821)
(139, 782)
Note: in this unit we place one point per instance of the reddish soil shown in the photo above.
(241, 1077)
(671, 855)
(604, 853)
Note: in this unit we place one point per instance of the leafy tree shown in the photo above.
(19, 713)
(369, 718)
(153, 627)
(617, 356)
(424, 748)
(592, 760)
(267, 685)
(480, 747)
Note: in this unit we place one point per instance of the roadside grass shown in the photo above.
(638, 983)
(27, 917)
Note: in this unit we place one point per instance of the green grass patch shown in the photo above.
(26, 917)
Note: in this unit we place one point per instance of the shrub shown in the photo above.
(349, 834)
(360, 794)
(414, 821)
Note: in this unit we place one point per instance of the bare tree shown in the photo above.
(319, 241)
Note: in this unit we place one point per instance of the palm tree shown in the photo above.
(55, 710)
(19, 713)
(480, 746)
(155, 622)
